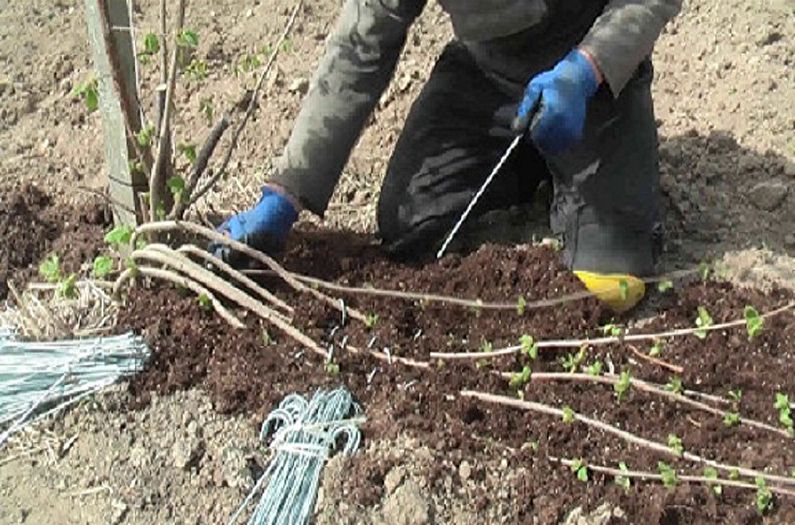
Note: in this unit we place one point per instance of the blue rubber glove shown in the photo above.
(264, 227)
(555, 102)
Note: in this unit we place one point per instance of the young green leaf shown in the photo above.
(623, 481)
(520, 379)
(674, 385)
(332, 369)
(89, 92)
(521, 304)
(370, 320)
(704, 270)
(612, 330)
(67, 287)
(50, 269)
(529, 346)
(144, 136)
(711, 473)
(675, 444)
(665, 285)
(205, 302)
(486, 347)
(120, 235)
(734, 474)
(623, 384)
(188, 38)
(102, 266)
(568, 414)
(573, 361)
(669, 477)
(764, 498)
(656, 348)
(176, 186)
(580, 469)
(754, 323)
(189, 150)
(594, 369)
(703, 321)
(731, 419)
(151, 44)
(197, 69)
(736, 395)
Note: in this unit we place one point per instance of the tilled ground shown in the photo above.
(244, 374)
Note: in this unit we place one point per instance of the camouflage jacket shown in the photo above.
(504, 37)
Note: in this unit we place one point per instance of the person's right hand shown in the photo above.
(264, 227)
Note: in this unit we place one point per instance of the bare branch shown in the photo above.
(252, 104)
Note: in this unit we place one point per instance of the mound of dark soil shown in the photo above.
(250, 371)
(31, 228)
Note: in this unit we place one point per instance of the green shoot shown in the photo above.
(332, 369)
(736, 395)
(624, 382)
(144, 137)
(206, 109)
(197, 69)
(594, 369)
(287, 45)
(529, 346)
(486, 347)
(580, 469)
(120, 235)
(102, 266)
(784, 412)
(703, 321)
(656, 349)
(188, 38)
(764, 498)
(50, 269)
(754, 323)
(669, 477)
(675, 444)
(731, 419)
(370, 320)
(734, 474)
(189, 150)
(573, 361)
(205, 302)
(623, 481)
(674, 385)
(568, 414)
(176, 185)
(521, 304)
(612, 330)
(711, 473)
(664, 286)
(89, 92)
(267, 339)
(67, 288)
(704, 271)
(519, 379)
(151, 47)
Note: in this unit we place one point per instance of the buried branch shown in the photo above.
(601, 341)
(651, 476)
(649, 388)
(623, 435)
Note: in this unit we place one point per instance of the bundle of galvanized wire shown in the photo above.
(306, 433)
(40, 378)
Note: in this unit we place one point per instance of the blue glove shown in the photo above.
(264, 227)
(555, 102)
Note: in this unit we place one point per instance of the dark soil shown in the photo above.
(194, 348)
(31, 229)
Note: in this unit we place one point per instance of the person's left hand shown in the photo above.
(555, 102)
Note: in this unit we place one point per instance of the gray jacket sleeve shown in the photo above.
(358, 64)
(625, 34)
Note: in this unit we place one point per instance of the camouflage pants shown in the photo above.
(606, 190)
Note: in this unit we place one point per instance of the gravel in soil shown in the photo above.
(250, 371)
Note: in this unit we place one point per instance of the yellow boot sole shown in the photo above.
(620, 292)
